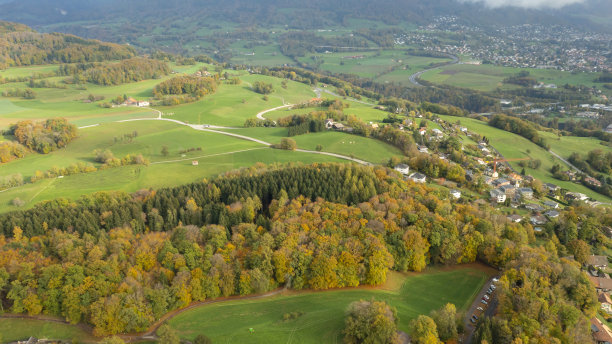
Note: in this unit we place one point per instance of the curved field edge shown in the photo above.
(322, 317)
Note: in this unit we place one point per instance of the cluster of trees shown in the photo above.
(108, 159)
(25, 93)
(541, 296)
(184, 89)
(11, 181)
(595, 160)
(263, 87)
(519, 127)
(121, 261)
(10, 150)
(370, 322)
(44, 137)
(33, 83)
(522, 78)
(130, 70)
(23, 47)
(303, 124)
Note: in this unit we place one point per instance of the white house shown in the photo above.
(456, 193)
(498, 196)
(418, 177)
(403, 169)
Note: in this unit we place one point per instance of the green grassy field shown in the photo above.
(385, 65)
(512, 146)
(323, 312)
(489, 77)
(22, 329)
(231, 105)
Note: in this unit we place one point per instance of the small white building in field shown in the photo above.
(403, 169)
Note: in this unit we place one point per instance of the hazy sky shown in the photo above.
(528, 3)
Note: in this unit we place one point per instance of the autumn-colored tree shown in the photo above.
(370, 322)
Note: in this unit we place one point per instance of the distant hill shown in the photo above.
(22, 46)
(314, 12)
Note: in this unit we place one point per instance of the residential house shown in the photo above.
(552, 188)
(527, 193)
(606, 302)
(463, 129)
(423, 149)
(534, 207)
(418, 177)
(329, 123)
(498, 196)
(602, 283)
(437, 132)
(552, 214)
(515, 179)
(338, 126)
(571, 196)
(374, 125)
(538, 220)
(455, 193)
(509, 190)
(600, 262)
(500, 182)
(422, 131)
(601, 332)
(551, 204)
(592, 181)
(403, 169)
(515, 218)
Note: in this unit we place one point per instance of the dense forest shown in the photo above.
(21, 46)
(130, 70)
(119, 261)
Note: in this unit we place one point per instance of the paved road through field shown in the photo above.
(414, 77)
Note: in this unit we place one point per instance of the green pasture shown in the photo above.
(21, 329)
(489, 77)
(322, 318)
(231, 105)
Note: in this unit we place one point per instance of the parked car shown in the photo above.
(487, 297)
(493, 287)
(495, 280)
(474, 317)
(485, 302)
(480, 309)
(473, 320)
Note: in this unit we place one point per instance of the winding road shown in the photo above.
(211, 129)
(414, 77)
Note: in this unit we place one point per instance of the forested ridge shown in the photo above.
(22, 46)
(120, 261)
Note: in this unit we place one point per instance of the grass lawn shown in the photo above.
(133, 178)
(372, 64)
(513, 146)
(360, 147)
(22, 329)
(231, 105)
(323, 312)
